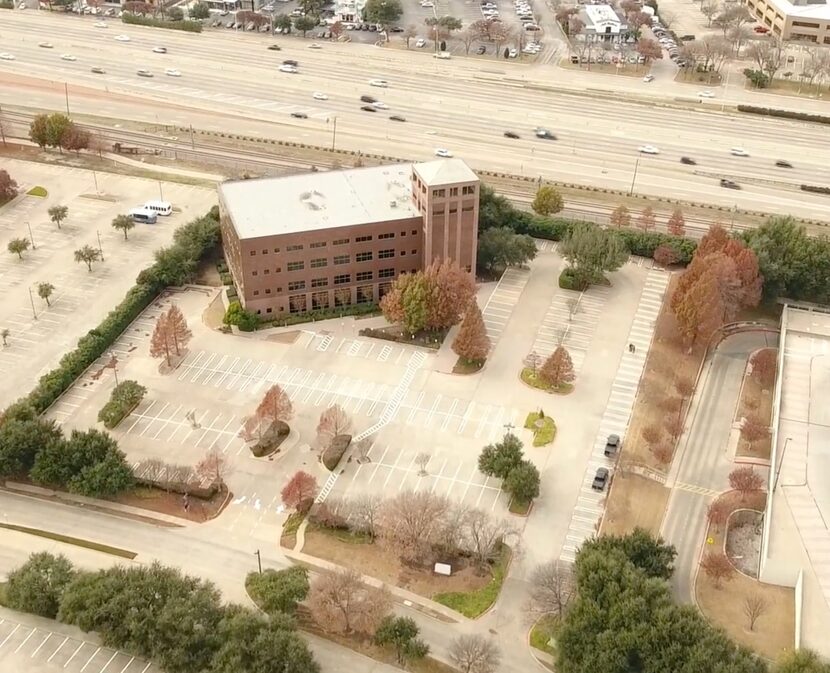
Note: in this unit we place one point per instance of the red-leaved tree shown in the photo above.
(745, 480)
(620, 217)
(764, 365)
(717, 566)
(676, 224)
(299, 492)
(558, 369)
(472, 343)
(646, 220)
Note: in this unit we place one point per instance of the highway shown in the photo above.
(231, 82)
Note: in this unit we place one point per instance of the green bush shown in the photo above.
(124, 398)
(37, 191)
(568, 280)
(6, 4)
(644, 243)
(786, 114)
(188, 26)
(815, 189)
(37, 585)
(246, 321)
(323, 314)
(278, 590)
(335, 450)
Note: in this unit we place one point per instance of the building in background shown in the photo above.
(602, 23)
(797, 20)
(326, 240)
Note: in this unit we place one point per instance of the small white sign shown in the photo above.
(443, 569)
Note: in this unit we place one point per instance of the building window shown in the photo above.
(386, 254)
(256, 293)
(388, 234)
(265, 252)
(319, 282)
(363, 257)
(254, 273)
(469, 189)
(267, 272)
(319, 300)
(363, 275)
(268, 310)
(439, 193)
(362, 239)
(414, 232)
(403, 233)
(340, 241)
(293, 248)
(414, 252)
(296, 266)
(365, 294)
(318, 263)
(253, 252)
(383, 289)
(403, 253)
(276, 249)
(342, 259)
(318, 244)
(343, 278)
(386, 273)
(279, 289)
(295, 285)
(297, 303)
(453, 209)
(342, 297)
(467, 209)
(454, 191)
(267, 290)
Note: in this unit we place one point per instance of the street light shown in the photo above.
(32, 302)
(634, 177)
(333, 119)
(114, 364)
(31, 238)
(100, 249)
(258, 560)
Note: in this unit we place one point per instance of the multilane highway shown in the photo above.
(231, 82)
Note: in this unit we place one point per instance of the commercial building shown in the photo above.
(602, 24)
(797, 20)
(333, 239)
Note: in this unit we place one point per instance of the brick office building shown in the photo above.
(325, 240)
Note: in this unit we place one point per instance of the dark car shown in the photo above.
(396, 29)
(729, 184)
(688, 160)
(368, 108)
(299, 115)
(511, 134)
(783, 164)
(600, 479)
(397, 118)
(481, 50)
(544, 134)
(290, 61)
(274, 47)
(97, 71)
(368, 99)
(612, 445)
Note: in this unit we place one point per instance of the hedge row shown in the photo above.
(187, 26)
(815, 189)
(322, 314)
(6, 4)
(786, 114)
(125, 397)
(172, 267)
(332, 455)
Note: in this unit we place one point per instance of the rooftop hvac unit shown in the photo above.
(393, 204)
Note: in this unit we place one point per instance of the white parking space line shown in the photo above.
(89, 660)
(58, 649)
(499, 306)
(68, 661)
(25, 640)
(43, 642)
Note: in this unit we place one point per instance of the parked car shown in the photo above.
(481, 50)
(511, 134)
(68, 57)
(600, 479)
(368, 99)
(544, 133)
(729, 184)
(397, 118)
(612, 445)
(761, 29)
(441, 152)
(299, 115)
(420, 42)
(783, 164)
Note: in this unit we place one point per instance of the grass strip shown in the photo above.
(473, 604)
(78, 542)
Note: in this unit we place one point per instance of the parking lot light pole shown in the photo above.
(333, 131)
(634, 177)
(31, 238)
(258, 560)
(32, 302)
(100, 249)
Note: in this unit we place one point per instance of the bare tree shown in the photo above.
(467, 37)
(362, 513)
(768, 54)
(745, 480)
(717, 513)
(717, 566)
(421, 460)
(451, 535)
(475, 654)
(485, 535)
(710, 9)
(408, 33)
(738, 35)
(411, 522)
(333, 421)
(754, 606)
(213, 466)
(552, 589)
(363, 447)
(341, 602)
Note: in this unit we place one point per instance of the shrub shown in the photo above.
(336, 448)
(325, 314)
(37, 585)
(568, 280)
(189, 26)
(124, 398)
(246, 321)
(6, 4)
(815, 189)
(278, 590)
(787, 114)
(271, 439)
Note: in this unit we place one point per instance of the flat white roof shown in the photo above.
(445, 171)
(317, 201)
(601, 14)
(820, 11)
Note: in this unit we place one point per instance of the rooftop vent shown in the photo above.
(393, 204)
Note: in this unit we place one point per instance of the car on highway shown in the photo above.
(648, 78)
(314, 45)
(274, 47)
(738, 152)
(511, 134)
(420, 43)
(783, 164)
(543, 133)
(101, 24)
(481, 50)
(380, 105)
(6, 56)
(706, 94)
(648, 149)
(288, 68)
(443, 153)
(382, 83)
(97, 70)
(172, 72)
(600, 479)
(729, 184)
(299, 115)
(143, 73)
(122, 38)
(368, 108)
(45, 45)
(688, 160)
(159, 50)
(319, 95)
(444, 55)
(290, 61)
(367, 99)
(397, 118)
(68, 57)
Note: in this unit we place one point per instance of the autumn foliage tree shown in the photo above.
(170, 335)
(299, 492)
(764, 365)
(213, 466)
(745, 480)
(333, 421)
(676, 224)
(8, 187)
(717, 567)
(646, 220)
(275, 407)
(472, 343)
(717, 513)
(558, 369)
(620, 217)
(754, 430)
(160, 340)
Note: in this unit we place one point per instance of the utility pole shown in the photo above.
(100, 248)
(31, 238)
(258, 560)
(66, 93)
(32, 302)
(634, 178)
(192, 141)
(161, 193)
(2, 130)
(334, 133)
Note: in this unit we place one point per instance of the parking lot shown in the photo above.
(502, 301)
(34, 649)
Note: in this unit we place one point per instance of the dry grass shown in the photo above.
(724, 606)
(376, 561)
(754, 401)
(172, 504)
(634, 501)
(627, 70)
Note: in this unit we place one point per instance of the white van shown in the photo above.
(159, 207)
(143, 215)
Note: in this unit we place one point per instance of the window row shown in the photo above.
(363, 294)
(341, 279)
(322, 262)
(340, 241)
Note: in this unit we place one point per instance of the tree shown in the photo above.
(665, 255)
(764, 365)
(275, 407)
(123, 223)
(74, 139)
(406, 302)
(591, 251)
(246, 321)
(769, 54)
(501, 247)
(523, 481)
(676, 224)
(88, 255)
(278, 591)
(161, 339)
(213, 466)
(411, 523)
(299, 492)
(364, 512)
(383, 12)
(620, 217)
(717, 567)
(547, 201)
(475, 654)
(467, 37)
(710, 9)
(340, 602)
(483, 535)
(754, 429)
(17, 246)
(178, 331)
(410, 32)
(334, 421)
(745, 480)
(401, 633)
(472, 343)
(8, 187)
(44, 291)
(558, 369)
(653, 556)
(283, 23)
(651, 434)
(4, 334)
(498, 460)
(58, 126)
(39, 130)
(22, 440)
(58, 214)
(650, 50)
(717, 513)
(37, 585)
(754, 606)
(199, 10)
(552, 589)
(646, 219)
(106, 478)
(312, 7)
(801, 661)
(305, 24)
(450, 291)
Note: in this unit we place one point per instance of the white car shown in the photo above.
(319, 95)
(441, 152)
(314, 45)
(420, 42)
(6, 56)
(101, 24)
(382, 83)
(159, 50)
(648, 149)
(122, 38)
(287, 68)
(739, 152)
(380, 105)
(706, 94)
(45, 45)
(172, 72)
(513, 53)
(68, 57)
(428, 4)
(648, 78)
